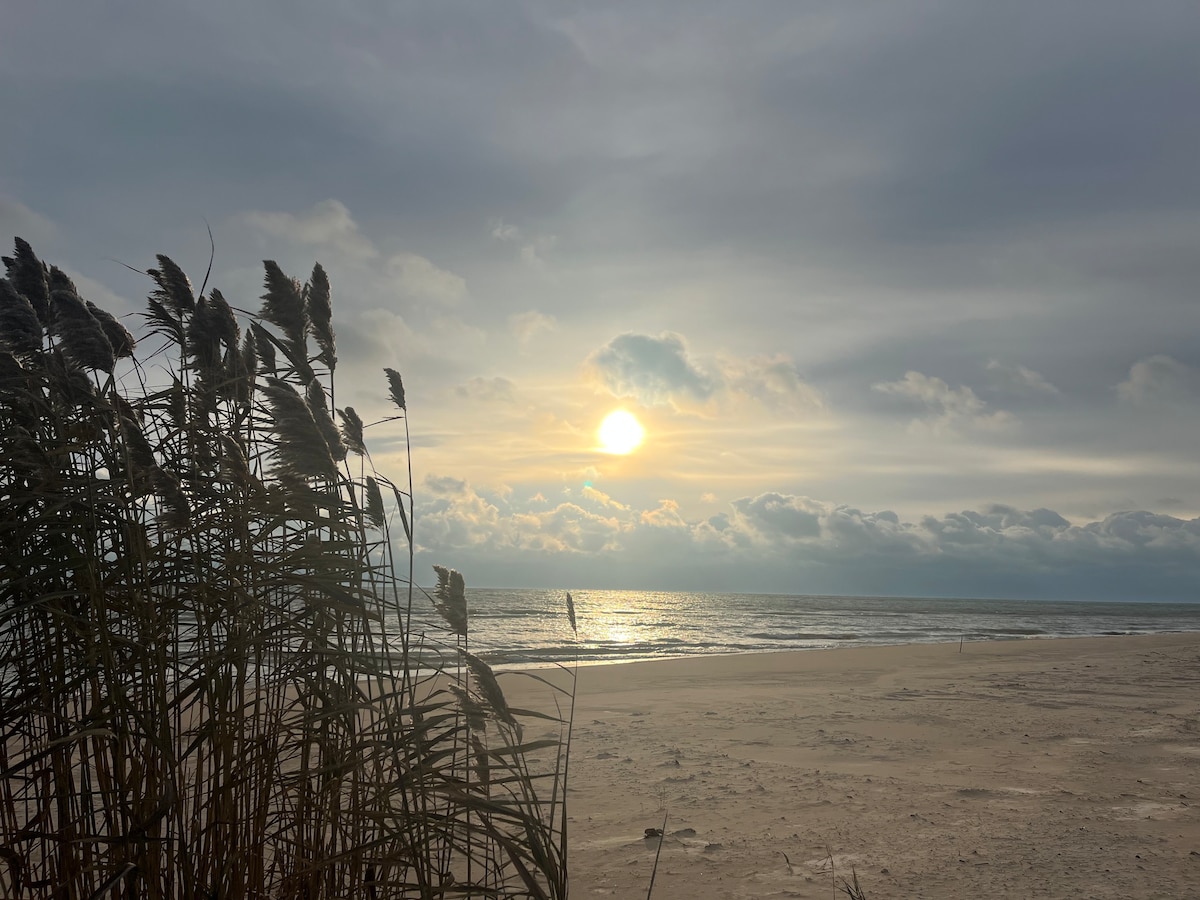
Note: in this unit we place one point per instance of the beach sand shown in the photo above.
(1036, 768)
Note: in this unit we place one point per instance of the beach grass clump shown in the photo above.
(217, 677)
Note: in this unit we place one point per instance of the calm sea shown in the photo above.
(531, 626)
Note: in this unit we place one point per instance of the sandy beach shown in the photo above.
(1037, 768)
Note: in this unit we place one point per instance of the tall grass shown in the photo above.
(217, 677)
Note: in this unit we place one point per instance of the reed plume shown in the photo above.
(216, 685)
(301, 449)
(284, 307)
(320, 316)
(79, 332)
(20, 328)
(29, 276)
(118, 335)
(450, 599)
(396, 388)
(174, 288)
(318, 405)
(352, 431)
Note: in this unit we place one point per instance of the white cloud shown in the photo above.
(503, 231)
(444, 339)
(948, 407)
(462, 517)
(772, 536)
(665, 515)
(655, 371)
(533, 248)
(328, 223)
(1019, 379)
(533, 252)
(488, 390)
(419, 279)
(17, 219)
(1158, 380)
(525, 326)
(601, 498)
(773, 381)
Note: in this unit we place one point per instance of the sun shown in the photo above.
(620, 433)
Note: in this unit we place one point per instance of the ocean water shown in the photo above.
(530, 627)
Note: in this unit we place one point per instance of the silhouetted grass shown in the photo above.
(212, 683)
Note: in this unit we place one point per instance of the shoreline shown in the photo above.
(1028, 768)
(501, 664)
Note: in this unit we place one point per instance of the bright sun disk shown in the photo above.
(620, 432)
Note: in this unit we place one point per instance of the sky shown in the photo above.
(903, 293)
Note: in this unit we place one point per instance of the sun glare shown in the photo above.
(620, 433)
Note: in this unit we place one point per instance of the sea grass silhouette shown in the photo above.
(214, 682)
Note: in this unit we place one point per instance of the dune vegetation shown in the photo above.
(218, 676)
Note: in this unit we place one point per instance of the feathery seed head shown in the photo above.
(320, 315)
(489, 688)
(174, 288)
(174, 511)
(283, 303)
(318, 405)
(118, 335)
(301, 450)
(396, 387)
(80, 333)
(264, 347)
(450, 599)
(352, 430)
(29, 276)
(374, 503)
(20, 327)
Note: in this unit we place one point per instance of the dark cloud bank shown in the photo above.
(784, 543)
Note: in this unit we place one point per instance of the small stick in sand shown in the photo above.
(662, 836)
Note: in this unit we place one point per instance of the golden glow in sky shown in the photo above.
(620, 433)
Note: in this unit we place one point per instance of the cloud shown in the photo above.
(665, 515)
(775, 517)
(488, 390)
(328, 223)
(948, 407)
(1019, 379)
(18, 220)
(1159, 380)
(532, 248)
(655, 371)
(601, 498)
(787, 542)
(503, 231)
(444, 484)
(773, 381)
(533, 253)
(461, 518)
(525, 326)
(419, 279)
(445, 344)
